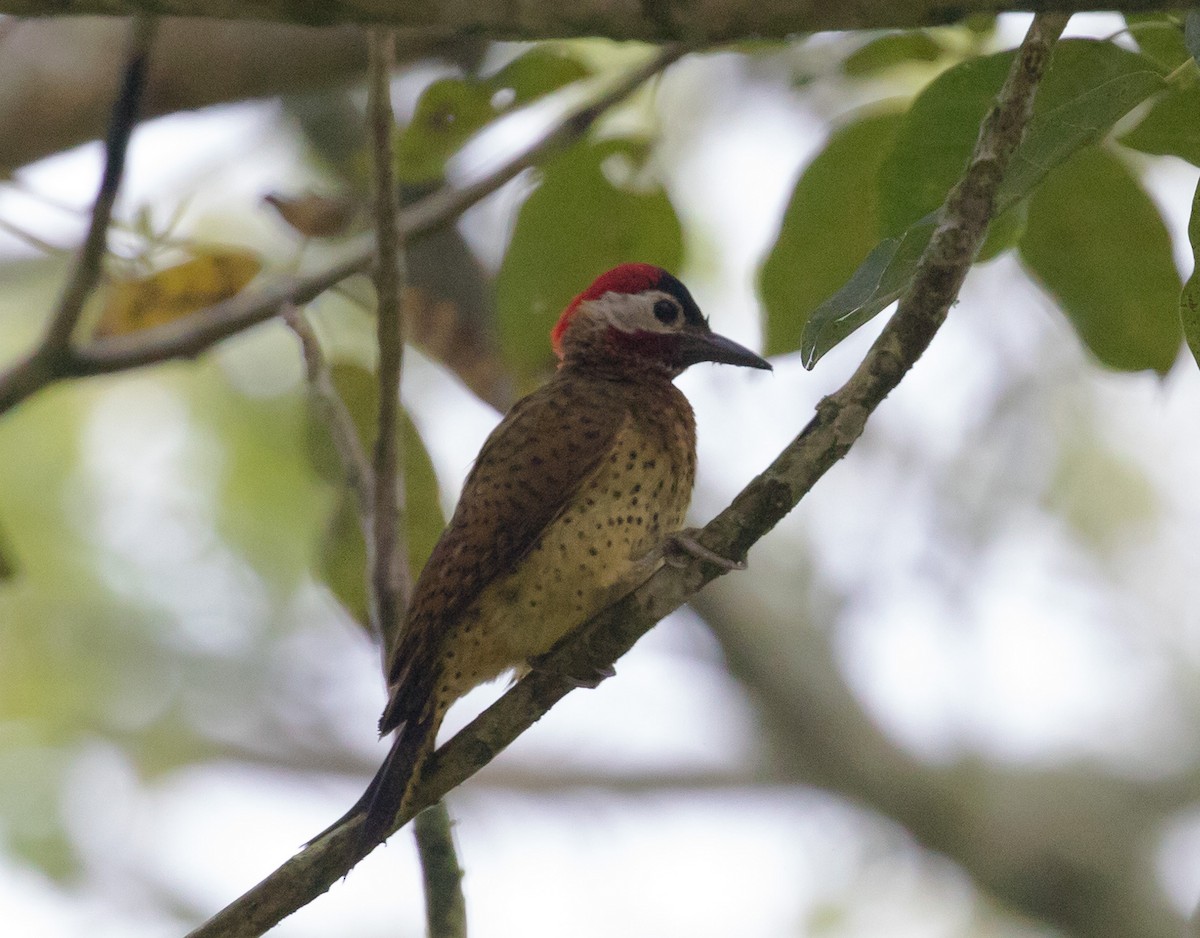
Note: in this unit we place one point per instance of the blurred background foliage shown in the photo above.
(955, 694)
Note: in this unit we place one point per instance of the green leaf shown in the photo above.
(1191, 33)
(1003, 233)
(8, 567)
(448, 113)
(1159, 36)
(1089, 87)
(876, 284)
(537, 73)
(1189, 299)
(342, 558)
(1055, 133)
(1096, 242)
(1172, 127)
(577, 224)
(830, 225)
(891, 50)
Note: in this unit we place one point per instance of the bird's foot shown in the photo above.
(591, 680)
(683, 544)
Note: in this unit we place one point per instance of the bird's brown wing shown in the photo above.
(528, 471)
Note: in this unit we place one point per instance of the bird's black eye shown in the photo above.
(666, 312)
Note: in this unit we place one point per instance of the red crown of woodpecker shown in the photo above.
(627, 278)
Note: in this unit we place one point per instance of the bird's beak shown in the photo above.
(695, 347)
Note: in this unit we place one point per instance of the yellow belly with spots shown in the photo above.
(599, 548)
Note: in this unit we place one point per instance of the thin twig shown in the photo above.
(839, 421)
(391, 586)
(445, 906)
(336, 415)
(120, 128)
(190, 337)
(388, 555)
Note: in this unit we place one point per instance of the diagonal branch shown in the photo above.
(190, 337)
(88, 264)
(839, 421)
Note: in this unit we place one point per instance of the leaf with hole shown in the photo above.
(537, 73)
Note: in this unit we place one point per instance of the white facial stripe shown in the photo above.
(634, 312)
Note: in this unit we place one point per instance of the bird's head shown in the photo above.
(639, 318)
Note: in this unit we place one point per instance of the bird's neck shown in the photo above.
(618, 368)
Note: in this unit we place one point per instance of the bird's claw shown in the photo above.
(590, 680)
(593, 679)
(684, 542)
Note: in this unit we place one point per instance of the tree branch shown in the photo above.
(445, 906)
(89, 263)
(695, 21)
(189, 337)
(387, 554)
(756, 510)
(337, 416)
(58, 76)
(1071, 846)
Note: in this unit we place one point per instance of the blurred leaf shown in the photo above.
(270, 501)
(448, 113)
(1172, 127)
(831, 223)
(537, 73)
(1189, 299)
(982, 25)
(1089, 87)
(1191, 33)
(316, 216)
(8, 567)
(892, 50)
(576, 225)
(343, 558)
(1107, 261)
(1100, 491)
(212, 275)
(1159, 36)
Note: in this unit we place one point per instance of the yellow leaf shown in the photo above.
(139, 303)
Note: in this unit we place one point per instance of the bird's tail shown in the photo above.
(392, 785)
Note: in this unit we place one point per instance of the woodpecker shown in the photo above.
(568, 507)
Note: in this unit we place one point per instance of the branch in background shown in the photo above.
(356, 469)
(445, 906)
(724, 21)
(88, 264)
(57, 90)
(189, 337)
(1072, 846)
(757, 509)
(387, 553)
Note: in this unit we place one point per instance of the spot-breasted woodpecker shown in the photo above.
(568, 507)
